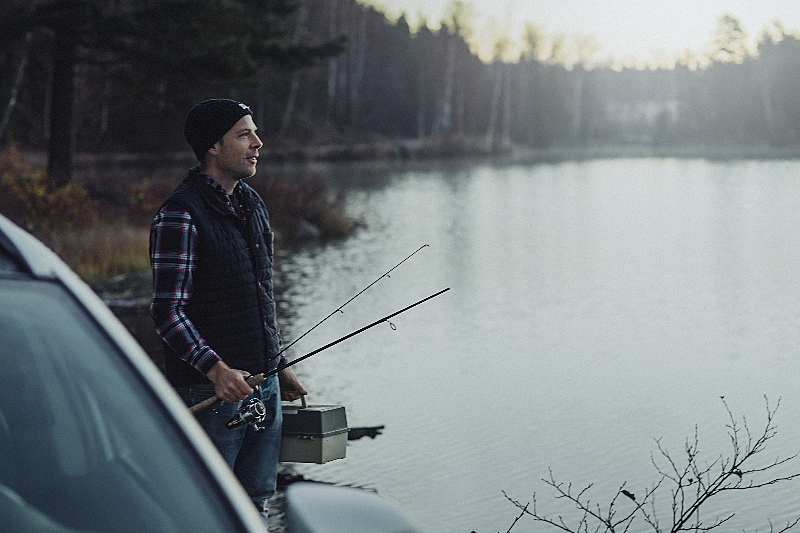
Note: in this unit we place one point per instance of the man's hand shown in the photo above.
(229, 384)
(290, 387)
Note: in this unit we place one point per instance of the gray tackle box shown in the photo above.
(313, 433)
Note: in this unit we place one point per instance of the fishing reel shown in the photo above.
(251, 412)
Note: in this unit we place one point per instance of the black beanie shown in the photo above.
(209, 121)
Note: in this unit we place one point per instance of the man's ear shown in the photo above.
(214, 150)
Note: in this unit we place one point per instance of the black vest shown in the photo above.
(231, 305)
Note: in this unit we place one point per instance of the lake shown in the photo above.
(594, 307)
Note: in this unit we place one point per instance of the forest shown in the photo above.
(95, 76)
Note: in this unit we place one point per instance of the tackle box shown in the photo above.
(313, 433)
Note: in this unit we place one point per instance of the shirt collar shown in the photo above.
(220, 191)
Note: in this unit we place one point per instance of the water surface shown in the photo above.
(594, 307)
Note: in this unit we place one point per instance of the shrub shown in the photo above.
(101, 230)
(34, 202)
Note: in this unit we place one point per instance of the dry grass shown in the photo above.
(101, 252)
(69, 221)
(101, 230)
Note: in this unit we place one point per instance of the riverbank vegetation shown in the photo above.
(100, 225)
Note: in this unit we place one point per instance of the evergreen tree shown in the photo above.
(177, 42)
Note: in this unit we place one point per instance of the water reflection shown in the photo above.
(594, 307)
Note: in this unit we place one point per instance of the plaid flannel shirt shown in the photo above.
(173, 257)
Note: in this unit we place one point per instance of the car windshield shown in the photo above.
(84, 447)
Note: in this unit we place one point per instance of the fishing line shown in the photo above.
(337, 341)
(339, 309)
(255, 380)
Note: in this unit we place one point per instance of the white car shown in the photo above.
(94, 439)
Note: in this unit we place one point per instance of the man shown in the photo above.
(211, 252)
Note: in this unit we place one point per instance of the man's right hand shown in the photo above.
(229, 384)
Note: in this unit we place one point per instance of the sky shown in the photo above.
(628, 30)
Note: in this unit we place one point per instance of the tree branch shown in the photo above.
(693, 485)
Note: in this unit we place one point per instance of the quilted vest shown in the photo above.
(231, 305)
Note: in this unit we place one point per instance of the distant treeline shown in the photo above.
(338, 71)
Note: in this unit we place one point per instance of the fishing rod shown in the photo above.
(339, 309)
(199, 408)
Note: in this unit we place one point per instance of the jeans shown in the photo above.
(252, 455)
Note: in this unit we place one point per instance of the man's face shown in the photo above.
(237, 152)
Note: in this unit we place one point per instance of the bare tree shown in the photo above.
(576, 125)
(299, 33)
(585, 48)
(499, 68)
(356, 68)
(19, 76)
(691, 483)
(768, 69)
(333, 65)
(459, 30)
(18, 79)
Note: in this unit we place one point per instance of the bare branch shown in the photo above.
(693, 483)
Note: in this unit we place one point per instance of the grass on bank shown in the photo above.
(101, 229)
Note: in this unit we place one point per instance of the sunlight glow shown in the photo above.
(624, 32)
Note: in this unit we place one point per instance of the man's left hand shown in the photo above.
(291, 389)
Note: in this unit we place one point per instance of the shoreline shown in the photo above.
(699, 151)
(414, 150)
